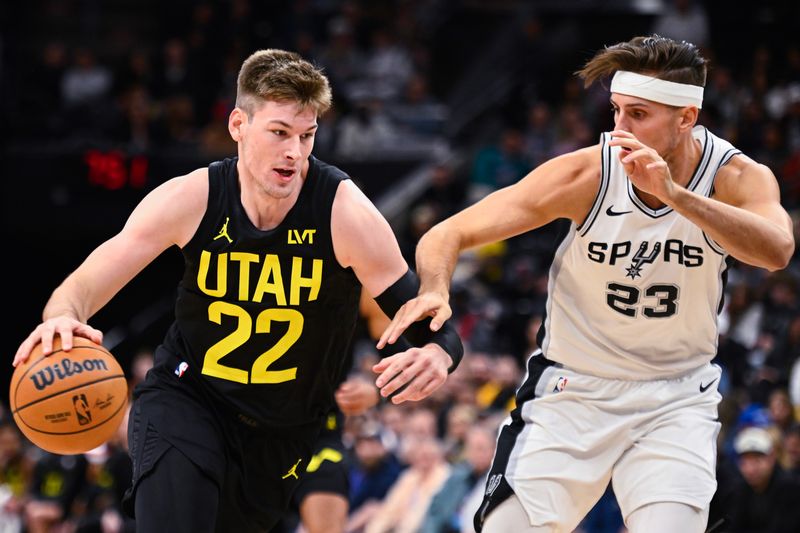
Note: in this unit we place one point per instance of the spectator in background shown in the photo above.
(387, 68)
(421, 424)
(372, 474)
(404, 507)
(141, 363)
(446, 190)
(446, 511)
(14, 476)
(780, 409)
(57, 481)
(416, 110)
(173, 75)
(459, 418)
(790, 460)
(138, 127)
(85, 81)
(341, 58)
(684, 20)
(766, 500)
(540, 134)
(367, 130)
(498, 165)
(497, 394)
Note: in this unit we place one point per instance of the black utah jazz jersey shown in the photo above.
(264, 318)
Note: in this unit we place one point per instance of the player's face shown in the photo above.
(654, 124)
(274, 145)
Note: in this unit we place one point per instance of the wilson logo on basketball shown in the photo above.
(64, 369)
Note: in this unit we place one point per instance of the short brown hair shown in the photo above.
(281, 76)
(654, 55)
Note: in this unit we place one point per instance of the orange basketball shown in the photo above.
(69, 402)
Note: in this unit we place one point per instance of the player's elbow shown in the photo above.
(781, 256)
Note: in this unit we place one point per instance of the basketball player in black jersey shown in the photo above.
(277, 245)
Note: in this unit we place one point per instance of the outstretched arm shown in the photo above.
(168, 215)
(364, 241)
(563, 187)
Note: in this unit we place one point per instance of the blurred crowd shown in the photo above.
(177, 94)
(175, 91)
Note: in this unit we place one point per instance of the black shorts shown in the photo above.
(326, 471)
(252, 472)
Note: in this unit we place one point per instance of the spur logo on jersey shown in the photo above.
(642, 258)
(297, 236)
(670, 251)
(63, 369)
(259, 276)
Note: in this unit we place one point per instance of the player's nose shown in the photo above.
(293, 149)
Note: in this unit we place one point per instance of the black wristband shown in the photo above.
(419, 333)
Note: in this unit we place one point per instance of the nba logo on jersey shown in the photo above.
(181, 369)
(561, 384)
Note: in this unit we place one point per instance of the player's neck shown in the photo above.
(683, 159)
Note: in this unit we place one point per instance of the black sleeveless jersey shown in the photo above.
(264, 319)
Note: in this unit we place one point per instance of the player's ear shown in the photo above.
(688, 117)
(236, 120)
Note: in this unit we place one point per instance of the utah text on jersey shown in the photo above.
(258, 275)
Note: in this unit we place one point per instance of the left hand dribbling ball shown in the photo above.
(69, 402)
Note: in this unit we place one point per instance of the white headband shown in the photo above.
(649, 88)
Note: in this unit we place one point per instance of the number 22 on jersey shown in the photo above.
(259, 373)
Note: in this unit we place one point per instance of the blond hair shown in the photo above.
(281, 76)
(654, 55)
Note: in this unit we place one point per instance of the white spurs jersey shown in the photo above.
(634, 292)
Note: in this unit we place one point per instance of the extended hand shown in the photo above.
(415, 373)
(63, 326)
(355, 396)
(646, 169)
(427, 304)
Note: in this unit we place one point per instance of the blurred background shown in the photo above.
(437, 103)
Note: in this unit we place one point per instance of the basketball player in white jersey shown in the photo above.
(622, 388)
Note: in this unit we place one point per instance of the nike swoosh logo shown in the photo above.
(611, 213)
(704, 388)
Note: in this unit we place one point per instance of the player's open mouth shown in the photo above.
(285, 172)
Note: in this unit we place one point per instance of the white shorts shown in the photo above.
(571, 433)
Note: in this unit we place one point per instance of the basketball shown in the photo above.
(69, 402)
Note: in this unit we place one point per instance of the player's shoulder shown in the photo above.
(182, 195)
(327, 170)
(741, 164)
(584, 159)
(741, 172)
(194, 183)
(580, 167)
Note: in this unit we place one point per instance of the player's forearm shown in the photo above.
(68, 300)
(747, 236)
(437, 256)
